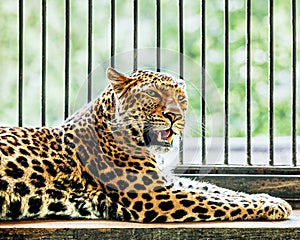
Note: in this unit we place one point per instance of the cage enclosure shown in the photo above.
(240, 60)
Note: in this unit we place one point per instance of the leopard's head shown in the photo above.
(151, 106)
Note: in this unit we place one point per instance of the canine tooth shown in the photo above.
(159, 136)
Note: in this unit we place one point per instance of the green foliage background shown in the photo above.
(169, 40)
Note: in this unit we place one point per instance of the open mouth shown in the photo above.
(159, 137)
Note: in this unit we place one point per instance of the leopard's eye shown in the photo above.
(152, 93)
(181, 97)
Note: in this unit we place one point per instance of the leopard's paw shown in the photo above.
(273, 208)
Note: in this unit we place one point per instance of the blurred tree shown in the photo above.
(147, 39)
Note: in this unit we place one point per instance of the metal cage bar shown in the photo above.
(294, 83)
(135, 35)
(90, 49)
(248, 79)
(21, 56)
(271, 83)
(158, 35)
(226, 81)
(203, 81)
(181, 64)
(67, 58)
(181, 40)
(44, 61)
(112, 32)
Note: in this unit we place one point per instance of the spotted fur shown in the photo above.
(99, 164)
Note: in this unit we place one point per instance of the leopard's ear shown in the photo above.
(115, 76)
(118, 80)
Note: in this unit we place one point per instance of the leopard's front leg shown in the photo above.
(171, 205)
(207, 188)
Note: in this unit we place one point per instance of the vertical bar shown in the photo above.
(90, 48)
(112, 32)
(226, 80)
(271, 83)
(294, 84)
(203, 83)
(181, 66)
(181, 43)
(67, 56)
(44, 57)
(135, 34)
(20, 82)
(248, 87)
(158, 36)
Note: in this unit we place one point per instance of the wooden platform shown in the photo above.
(99, 229)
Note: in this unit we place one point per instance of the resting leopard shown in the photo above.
(99, 164)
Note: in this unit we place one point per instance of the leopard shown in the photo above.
(101, 163)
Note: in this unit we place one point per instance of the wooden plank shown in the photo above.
(237, 169)
(99, 229)
(282, 182)
(150, 234)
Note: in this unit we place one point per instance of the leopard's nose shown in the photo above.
(172, 116)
